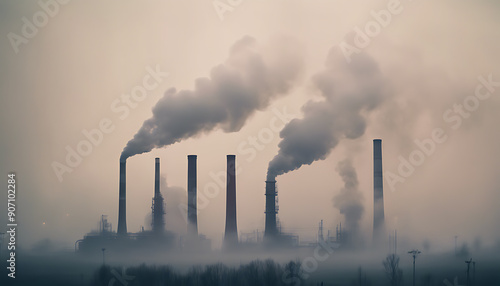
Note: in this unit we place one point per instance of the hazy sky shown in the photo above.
(69, 74)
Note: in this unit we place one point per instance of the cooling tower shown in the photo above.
(192, 189)
(231, 233)
(378, 192)
(122, 206)
(270, 230)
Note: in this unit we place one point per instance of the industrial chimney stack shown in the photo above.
(158, 212)
(270, 230)
(192, 189)
(157, 176)
(231, 233)
(122, 206)
(378, 193)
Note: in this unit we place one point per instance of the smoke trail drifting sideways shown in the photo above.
(350, 91)
(248, 80)
(349, 200)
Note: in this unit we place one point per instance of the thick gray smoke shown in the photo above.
(248, 80)
(349, 200)
(350, 91)
(175, 220)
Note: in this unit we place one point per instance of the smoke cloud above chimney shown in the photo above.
(349, 200)
(247, 81)
(350, 91)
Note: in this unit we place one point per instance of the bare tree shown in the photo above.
(394, 274)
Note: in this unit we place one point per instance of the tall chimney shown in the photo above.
(192, 189)
(270, 230)
(157, 176)
(231, 233)
(122, 206)
(378, 192)
(158, 212)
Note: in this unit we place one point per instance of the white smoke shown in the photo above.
(349, 200)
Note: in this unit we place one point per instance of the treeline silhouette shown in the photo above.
(258, 272)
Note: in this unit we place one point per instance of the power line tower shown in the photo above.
(414, 253)
(103, 261)
(468, 268)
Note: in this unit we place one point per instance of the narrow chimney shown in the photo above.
(378, 193)
(158, 212)
(157, 177)
(231, 233)
(270, 230)
(122, 206)
(192, 189)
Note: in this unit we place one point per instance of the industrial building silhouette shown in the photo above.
(159, 238)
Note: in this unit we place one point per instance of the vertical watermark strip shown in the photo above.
(11, 224)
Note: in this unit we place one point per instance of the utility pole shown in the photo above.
(468, 267)
(103, 250)
(414, 253)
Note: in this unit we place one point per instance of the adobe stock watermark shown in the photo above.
(310, 264)
(40, 19)
(453, 116)
(249, 148)
(364, 35)
(223, 6)
(122, 278)
(95, 136)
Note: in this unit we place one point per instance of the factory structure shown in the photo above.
(159, 238)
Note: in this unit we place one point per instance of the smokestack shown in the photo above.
(270, 230)
(192, 211)
(231, 233)
(158, 212)
(157, 177)
(378, 192)
(122, 206)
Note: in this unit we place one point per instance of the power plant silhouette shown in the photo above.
(159, 237)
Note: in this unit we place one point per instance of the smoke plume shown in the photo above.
(174, 216)
(349, 200)
(246, 82)
(350, 91)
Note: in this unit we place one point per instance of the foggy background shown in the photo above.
(65, 79)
